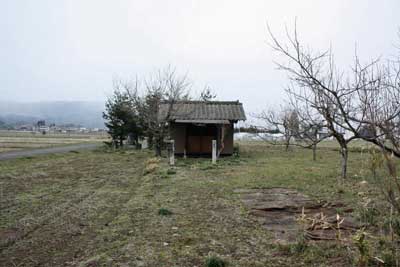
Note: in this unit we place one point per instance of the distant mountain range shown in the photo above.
(86, 114)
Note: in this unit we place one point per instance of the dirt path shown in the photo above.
(44, 151)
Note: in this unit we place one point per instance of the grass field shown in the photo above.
(105, 208)
(14, 140)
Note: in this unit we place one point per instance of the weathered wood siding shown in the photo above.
(178, 132)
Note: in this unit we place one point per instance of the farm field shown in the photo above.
(126, 208)
(14, 140)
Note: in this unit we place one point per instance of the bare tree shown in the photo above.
(322, 87)
(311, 125)
(299, 124)
(146, 95)
(207, 94)
(283, 121)
(381, 102)
(364, 104)
(367, 98)
(165, 87)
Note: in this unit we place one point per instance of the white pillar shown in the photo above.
(172, 151)
(214, 151)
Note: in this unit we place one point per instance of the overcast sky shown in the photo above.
(72, 49)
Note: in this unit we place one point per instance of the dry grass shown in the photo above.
(6, 149)
(13, 141)
(98, 209)
(29, 134)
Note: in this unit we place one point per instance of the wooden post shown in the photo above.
(214, 151)
(172, 153)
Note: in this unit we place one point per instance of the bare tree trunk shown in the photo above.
(137, 145)
(158, 151)
(150, 141)
(158, 147)
(345, 154)
(287, 143)
(314, 151)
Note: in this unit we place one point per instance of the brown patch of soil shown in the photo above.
(287, 212)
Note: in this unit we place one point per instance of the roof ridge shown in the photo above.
(195, 110)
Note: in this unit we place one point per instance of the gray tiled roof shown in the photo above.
(201, 110)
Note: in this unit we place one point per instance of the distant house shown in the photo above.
(25, 127)
(194, 124)
(323, 133)
(43, 128)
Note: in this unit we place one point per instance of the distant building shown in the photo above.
(323, 133)
(43, 128)
(25, 127)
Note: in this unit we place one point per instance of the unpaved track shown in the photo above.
(44, 151)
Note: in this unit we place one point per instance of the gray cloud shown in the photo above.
(70, 50)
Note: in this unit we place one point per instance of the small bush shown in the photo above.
(164, 212)
(215, 262)
(389, 258)
(300, 246)
(207, 166)
(152, 161)
(340, 189)
(163, 175)
(363, 246)
(387, 251)
(369, 216)
(150, 168)
(392, 224)
(171, 171)
(396, 226)
(108, 144)
(236, 150)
